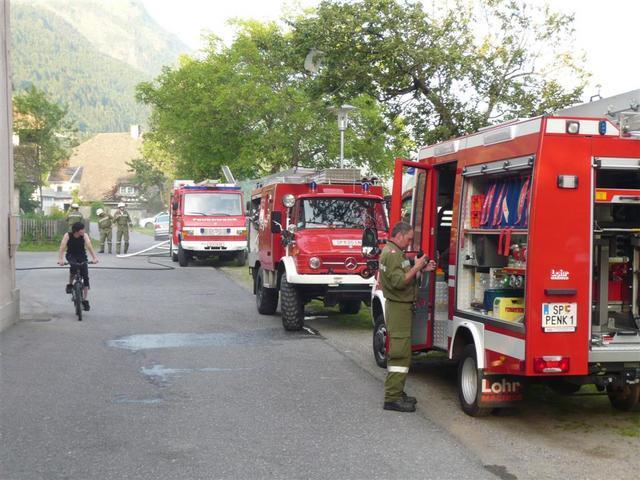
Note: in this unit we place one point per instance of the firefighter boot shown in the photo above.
(409, 399)
(110, 248)
(118, 248)
(400, 405)
(126, 247)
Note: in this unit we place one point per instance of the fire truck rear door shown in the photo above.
(413, 201)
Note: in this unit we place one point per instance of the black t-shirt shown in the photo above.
(76, 248)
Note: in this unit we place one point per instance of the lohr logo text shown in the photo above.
(502, 391)
(559, 274)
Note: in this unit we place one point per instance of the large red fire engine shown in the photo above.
(535, 225)
(305, 240)
(207, 219)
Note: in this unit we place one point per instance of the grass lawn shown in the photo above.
(42, 245)
(39, 246)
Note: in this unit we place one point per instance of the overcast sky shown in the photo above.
(606, 30)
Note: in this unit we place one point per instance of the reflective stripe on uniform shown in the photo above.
(394, 369)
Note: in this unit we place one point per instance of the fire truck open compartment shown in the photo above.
(491, 270)
(616, 258)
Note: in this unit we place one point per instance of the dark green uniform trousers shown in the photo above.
(398, 316)
(106, 239)
(122, 233)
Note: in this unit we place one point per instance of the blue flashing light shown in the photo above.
(602, 127)
(366, 186)
(203, 188)
(313, 186)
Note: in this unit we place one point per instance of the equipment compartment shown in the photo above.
(616, 292)
(493, 245)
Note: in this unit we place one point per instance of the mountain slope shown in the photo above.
(95, 82)
(121, 29)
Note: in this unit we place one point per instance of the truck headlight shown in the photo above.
(314, 262)
(288, 200)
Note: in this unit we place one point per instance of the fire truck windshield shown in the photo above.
(212, 204)
(341, 212)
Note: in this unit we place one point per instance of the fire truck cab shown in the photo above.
(535, 226)
(305, 240)
(207, 220)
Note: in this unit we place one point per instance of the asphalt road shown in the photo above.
(173, 374)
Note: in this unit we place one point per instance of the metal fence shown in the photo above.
(43, 229)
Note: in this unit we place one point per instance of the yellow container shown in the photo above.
(509, 308)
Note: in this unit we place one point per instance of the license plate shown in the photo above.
(339, 242)
(215, 244)
(559, 317)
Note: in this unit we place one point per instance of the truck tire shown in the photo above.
(183, 256)
(241, 258)
(624, 399)
(291, 306)
(350, 307)
(469, 383)
(266, 298)
(380, 340)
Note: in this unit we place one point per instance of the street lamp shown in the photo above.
(343, 113)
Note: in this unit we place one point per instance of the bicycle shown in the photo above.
(77, 287)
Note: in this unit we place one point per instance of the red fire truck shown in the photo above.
(535, 226)
(305, 240)
(207, 219)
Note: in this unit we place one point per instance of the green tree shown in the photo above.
(41, 125)
(448, 72)
(151, 182)
(249, 106)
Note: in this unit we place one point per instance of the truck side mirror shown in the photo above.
(248, 206)
(276, 222)
(174, 205)
(370, 242)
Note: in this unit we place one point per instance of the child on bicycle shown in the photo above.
(76, 243)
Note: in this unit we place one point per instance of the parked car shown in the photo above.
(149, 222)
(161, 227)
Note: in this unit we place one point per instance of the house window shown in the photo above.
(127, 190)
(59, 189)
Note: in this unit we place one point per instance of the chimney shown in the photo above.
(136, 131)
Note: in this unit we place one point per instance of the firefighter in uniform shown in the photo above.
(74, 215)
(398, 281)
(105, 223)
(123, 222)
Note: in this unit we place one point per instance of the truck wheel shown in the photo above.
(241, 258)
(624, 399)
(183, 256)
(172, 253)
(291, 306)
(380, 340)
(469, 383)
(266, 298)
(350, 307)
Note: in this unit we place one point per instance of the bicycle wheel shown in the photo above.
(77, 299)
